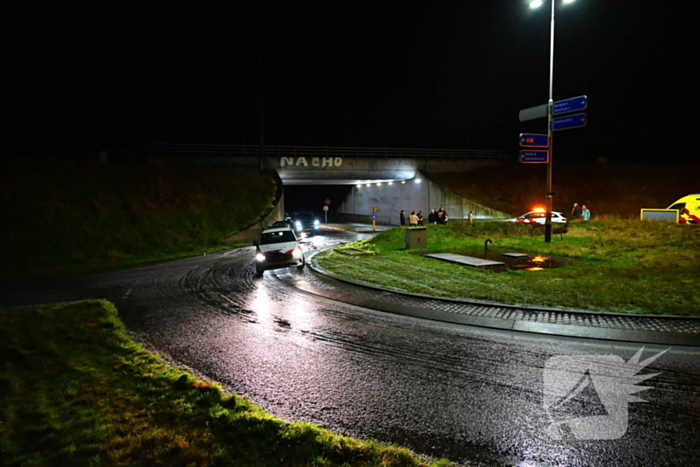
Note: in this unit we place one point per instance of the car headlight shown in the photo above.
(260, 257)
(298, 224)
(316, 223)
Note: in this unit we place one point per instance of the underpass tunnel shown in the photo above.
(358, 200)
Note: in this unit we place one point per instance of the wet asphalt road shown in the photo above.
(469, 394)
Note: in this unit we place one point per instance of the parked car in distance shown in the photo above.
(276, 248)
(287, 222)
(538, 217)
(306, 221)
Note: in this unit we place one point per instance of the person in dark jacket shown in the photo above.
(576, 212)
(432, 218)
(420, 217)
(402, 216)
(441, 216)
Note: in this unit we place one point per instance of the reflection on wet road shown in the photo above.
(465, 393)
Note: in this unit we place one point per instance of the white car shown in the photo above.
(538, 217)
(276, 248)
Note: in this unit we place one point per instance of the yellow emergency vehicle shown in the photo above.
(688, 209)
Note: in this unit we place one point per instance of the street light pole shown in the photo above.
(550, 134)
(549, 195)
(548, 201)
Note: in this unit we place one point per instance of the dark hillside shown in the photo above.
(607, 189)
(66, 216)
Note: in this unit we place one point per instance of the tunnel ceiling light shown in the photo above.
(403, 182)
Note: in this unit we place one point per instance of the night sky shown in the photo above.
(428, 74)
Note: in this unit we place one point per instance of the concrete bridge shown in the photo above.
(389, 179)
(308, 165)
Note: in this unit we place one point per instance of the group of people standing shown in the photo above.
(580, 212)
(436, 216)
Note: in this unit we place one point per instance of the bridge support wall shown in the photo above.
(413, 195)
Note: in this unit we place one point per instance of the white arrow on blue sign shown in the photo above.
(570, 105)
(534, 156)
(568, 122)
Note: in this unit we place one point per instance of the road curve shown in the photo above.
(443, 389)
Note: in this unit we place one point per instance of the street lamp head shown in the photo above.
(538, 3)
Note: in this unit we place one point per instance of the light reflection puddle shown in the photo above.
(289, 312)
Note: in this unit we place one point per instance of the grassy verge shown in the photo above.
(73, 217)
(76, 390)
(614, 265)
(607, 189)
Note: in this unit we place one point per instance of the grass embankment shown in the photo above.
(616, 265)
(607, 189)
(76, 390)
(71, 217)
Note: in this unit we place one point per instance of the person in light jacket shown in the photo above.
(585, 213)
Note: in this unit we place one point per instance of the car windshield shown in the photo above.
(281, 236)
(679, 206)
(304, 216)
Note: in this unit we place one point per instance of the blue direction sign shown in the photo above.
(570, 105)
(570, 121)
(534, 140)
(534, 156)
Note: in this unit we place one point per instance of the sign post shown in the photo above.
(549, 110)
(373, 210)
(325, 209)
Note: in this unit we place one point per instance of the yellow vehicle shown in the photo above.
(688, 209)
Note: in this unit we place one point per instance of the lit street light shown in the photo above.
(550, 107)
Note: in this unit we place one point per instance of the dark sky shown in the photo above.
(442, 74)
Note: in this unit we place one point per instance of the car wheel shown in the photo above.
(301, 266)
(259, 272)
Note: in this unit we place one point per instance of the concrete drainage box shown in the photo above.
(466, 260)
